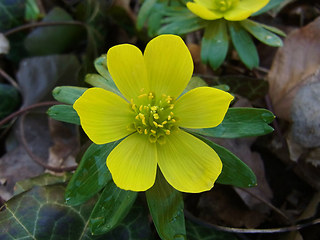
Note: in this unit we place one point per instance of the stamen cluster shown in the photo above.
(223, 5)
(154, 117)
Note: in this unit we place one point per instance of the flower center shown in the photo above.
(224, 5)
(154, 117)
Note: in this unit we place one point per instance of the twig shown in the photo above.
(23, 110)
(35, 158)
(42, 24)
(9, 79)
(270, 205)
(245, 230)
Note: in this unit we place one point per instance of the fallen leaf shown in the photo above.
(296, 60)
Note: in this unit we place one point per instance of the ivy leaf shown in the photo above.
(166, 208)
(240, 122)
(91, 175)
(41, 214)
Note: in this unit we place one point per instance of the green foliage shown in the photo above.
(53, 39)
(64, 113)
(32, 11)
(166, 208)
(113, 205)
(272, 4)
(40, 213)
(244, 45)
(67, 94)
(11, 14)
(234, 171)
(215, 43)
(91, 175)
(9, 99)
(240, 122)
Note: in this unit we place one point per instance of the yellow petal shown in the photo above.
(244, 9)
(206, 3)
(104, 116)
(187, 163)
(169, 65)
(204, 12)
(126, 66)
(202, 107)
(133, 163)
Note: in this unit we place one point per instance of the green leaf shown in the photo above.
(181, 21)
(11, 14)
(144, 12)
(91, 175)
(215, 43)
(260, 33)
(274, 30)
(240, 122)
(67, 94)
(42, 180)
(197, 232)
(194, 83)
(32, 11)
(154, 22)
(101, 66)
(64, 113)
(234, 171)
(166, 208)
(53, 39)
(269, 6)
(37, 76)
(98, 81)
(9, 99)
(112, 207)
(244, 45)
(41, 214)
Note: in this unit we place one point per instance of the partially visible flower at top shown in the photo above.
(150, 117)
(231, 10)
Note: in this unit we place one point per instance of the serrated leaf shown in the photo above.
(240, 122)
(198, 232)
(244, 45)
(64, 113)
(166, 208)
(234, 171)
(41, 214)
(112, 207)
(9, 99)
(67, 94)
(42, 180)
(53, 39)
(215, 43)
(91, 175)
(260, 33)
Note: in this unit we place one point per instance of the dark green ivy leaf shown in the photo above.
(91, 175)
(166, 208)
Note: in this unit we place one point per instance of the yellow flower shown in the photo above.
(232, 10)
(150, 117)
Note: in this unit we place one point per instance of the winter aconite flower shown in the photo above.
(150, 116)
(231, 10)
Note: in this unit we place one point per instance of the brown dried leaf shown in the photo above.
(296, 60)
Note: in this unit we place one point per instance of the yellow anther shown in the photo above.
(169, 117)
(145, 131)
(153, 131)
(154, 108)
(156, 116)
(164, 122)
(134, 107)
(140, 108)
(160, 125)
(141, 116)
(146, 108)
(155, 123)
(171, 106)
(150, 96)
(142, 95)
(167, 132)
(144, 121)
(173, 120)
(171, 113)
(137, 117)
